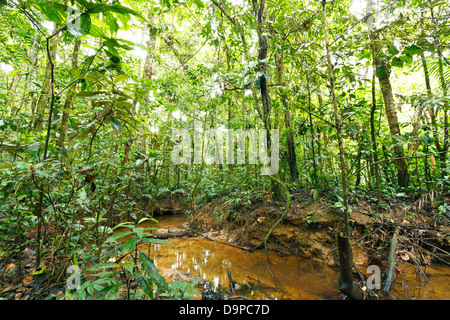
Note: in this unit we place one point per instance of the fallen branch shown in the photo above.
(226, 243)
(177, 234)
(391, 262)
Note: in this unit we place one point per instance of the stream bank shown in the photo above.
(306, 236)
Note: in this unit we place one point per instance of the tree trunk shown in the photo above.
(374, 140)
(446, 142)
(147, 75)
(311, 128)
(441, 148)
(443, 154)
(391, 113)
(277, 191)
(345, 281)
(292, 158)
(337, 123)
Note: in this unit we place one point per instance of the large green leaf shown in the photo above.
(130, 245)
(407, 58)
(104, 8)
(116, 124)
(199, 3)
(111, 21)
(380, 71)
(111, 291)
(397, 62)
(146, 285)
(79, 26)
(157, 241)
(55, 12)
(153, 272)
(413, 49)
(97, 32)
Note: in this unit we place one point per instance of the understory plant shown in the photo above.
(127, 272)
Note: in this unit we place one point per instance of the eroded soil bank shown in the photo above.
(308, 230)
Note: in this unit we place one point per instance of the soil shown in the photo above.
(309, 228)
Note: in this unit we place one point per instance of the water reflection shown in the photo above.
(283, 277)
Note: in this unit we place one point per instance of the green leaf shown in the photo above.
(55, 12)
(199, 3)
(89, 93)
(116, 124)
(139, 232)
(120, 77)
(79, 26)
(101, 266)
(111, 22)
(397, 62)
(120, 235)
(28, 190)
(130, 245)
(104, 8)
(7, 165)
(147, 219)
(158, 279)
(393, 50)
(111, 291)
(380, 71)
(413, 49)
(39, 271)
(97, 32)
(407, 58)
(157, 241)
(146, 285)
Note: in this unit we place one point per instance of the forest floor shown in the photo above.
(307, 228)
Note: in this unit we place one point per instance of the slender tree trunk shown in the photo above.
(277, 191)
(292, 158)
(32, 57)
(311, 128)
(391, 113)
(446, 143)
(345, 281)
(374, 140)
(358, 164)
(146, 79)
(440, 147)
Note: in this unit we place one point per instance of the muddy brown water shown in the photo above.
(283, 277)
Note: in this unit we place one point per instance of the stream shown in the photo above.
(284, 277)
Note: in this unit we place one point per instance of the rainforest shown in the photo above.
(224, 150)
